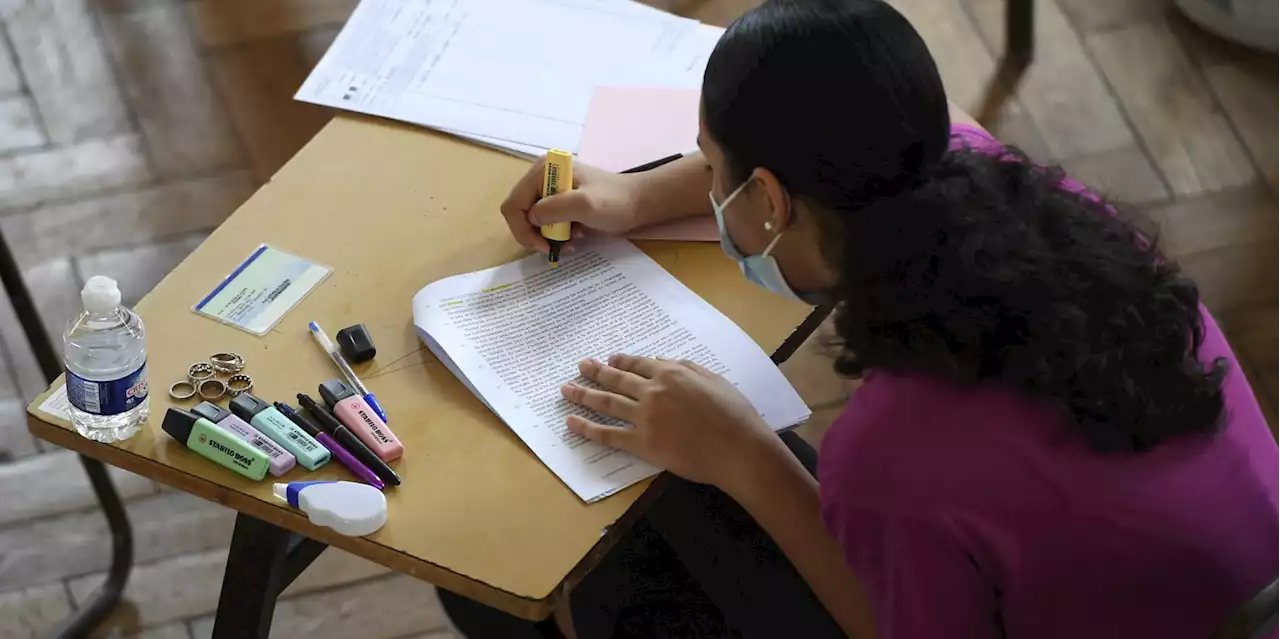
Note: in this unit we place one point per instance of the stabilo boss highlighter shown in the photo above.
(216, 443)
(330, 424)
(282, 461)
(352, 410)
(339, 453)
(270, 422)
(557, 176)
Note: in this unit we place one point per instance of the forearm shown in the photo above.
(783, 498)
(675, 190)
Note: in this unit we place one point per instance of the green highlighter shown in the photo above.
(216, 443)
(281, 430)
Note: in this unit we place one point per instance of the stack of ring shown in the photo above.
(183, 389)
(239, 384)
(211, 389)
(227, 363)
(199, 372)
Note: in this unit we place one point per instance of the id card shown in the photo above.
(261, 290)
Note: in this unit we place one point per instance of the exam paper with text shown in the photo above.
(514, 334)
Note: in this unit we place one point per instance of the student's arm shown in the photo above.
(610, 202)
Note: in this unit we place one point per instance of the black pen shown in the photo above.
(331, 425)
(647, 166)
(341, 454)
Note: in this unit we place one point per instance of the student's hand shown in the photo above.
(599, 200)
(684, 418)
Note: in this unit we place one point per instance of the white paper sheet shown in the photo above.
(514, 334)
(515, 74)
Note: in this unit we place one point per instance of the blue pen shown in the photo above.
(328, 347)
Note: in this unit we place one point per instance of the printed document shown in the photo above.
(515, 74)
(515, 333)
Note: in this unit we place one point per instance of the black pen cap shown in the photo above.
(211, 411)
(324, 419)
(245, 406)
(178, 423)
(333, 391)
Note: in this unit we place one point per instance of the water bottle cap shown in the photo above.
(100, 294)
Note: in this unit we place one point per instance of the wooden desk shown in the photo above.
(391, 208)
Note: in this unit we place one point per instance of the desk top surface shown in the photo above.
(392, 208)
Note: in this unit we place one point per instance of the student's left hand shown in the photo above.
(685, 418)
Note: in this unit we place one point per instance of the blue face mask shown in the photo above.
(761, 270)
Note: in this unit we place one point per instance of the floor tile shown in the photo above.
(21, 366)
(56, 293)
(186, 127)
(67, 172)
(1237, 276)
(258, 81)
(168, 631)
(176, 588)
(1062, 90)
(32, 613)
(1017, 129)
(333, 568)
(964, 62)
(165, 525)
(1253, 334)
(66, 69)
(1248, 93)
(128, 218)
(1123, 175)
(1216, 221)
(382, 609)
(16, 442)
(19, 125)
(1189, 140)
(10, 79)
(1107, 15)
(139, 269)
(63, 486)
(226, 22)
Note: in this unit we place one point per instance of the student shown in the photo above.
(1051, 439)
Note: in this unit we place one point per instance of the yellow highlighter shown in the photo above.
(557, 177)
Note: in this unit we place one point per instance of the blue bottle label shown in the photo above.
(107, 398)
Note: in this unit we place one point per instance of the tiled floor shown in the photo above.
(130, 128)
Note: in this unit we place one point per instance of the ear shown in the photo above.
(779, 200)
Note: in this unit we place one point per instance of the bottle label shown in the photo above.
(107, 398)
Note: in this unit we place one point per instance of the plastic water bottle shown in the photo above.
(106, 361)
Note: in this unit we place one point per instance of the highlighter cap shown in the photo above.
(178, 423)
(211, 411)
(335, 390)
(246, 406)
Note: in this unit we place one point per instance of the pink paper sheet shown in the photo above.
(629, 126)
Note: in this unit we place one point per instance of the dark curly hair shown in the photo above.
(956, 264)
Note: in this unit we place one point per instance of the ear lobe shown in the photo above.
(779, 199)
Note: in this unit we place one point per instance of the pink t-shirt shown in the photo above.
(965, 512)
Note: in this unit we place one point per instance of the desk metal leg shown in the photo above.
(1019, 38)
(263, 561)
(105, 599)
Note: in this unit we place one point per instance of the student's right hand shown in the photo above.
(599, 200)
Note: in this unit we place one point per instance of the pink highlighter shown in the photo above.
(357, 415)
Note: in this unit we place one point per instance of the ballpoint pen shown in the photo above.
(334, 354)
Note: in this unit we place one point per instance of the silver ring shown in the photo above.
(182, 389)
(199, 372)
(239, 384)
(208, 386)
(227, 363)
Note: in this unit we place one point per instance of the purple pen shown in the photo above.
(339, 453)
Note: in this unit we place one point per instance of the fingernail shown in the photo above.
(568, 390)
(573, 425)
(587, 364)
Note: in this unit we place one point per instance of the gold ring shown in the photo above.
(208, 387)
(227, 363)
(182, 389)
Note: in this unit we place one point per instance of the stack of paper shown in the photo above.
(514, 74)
(513, 334)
